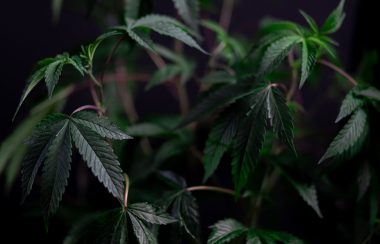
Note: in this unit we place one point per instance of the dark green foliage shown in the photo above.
(227, 230)
(51, 143)
(112, 226)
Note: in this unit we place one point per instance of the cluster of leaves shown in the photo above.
(250, 108)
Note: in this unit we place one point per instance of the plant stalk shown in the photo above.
(339, 71)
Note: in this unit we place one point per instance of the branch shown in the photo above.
(338, 70)
(211, 188)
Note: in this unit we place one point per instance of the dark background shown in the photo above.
(28, 34)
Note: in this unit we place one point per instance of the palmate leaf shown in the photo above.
(349, 105)
(142, 38)
(268, 109)
(225, 231)
(368, 92)
(219, 98)
(51, 144)
(350, 138)
(100, 158)
(50, 69)
(219, 139)
(276, 52)
(100, 124)
(309, 58)
(142, 232)
(309, 195)
(310, 21)
(334, 20)
(56, 170)
(189, 12)
(166, 26)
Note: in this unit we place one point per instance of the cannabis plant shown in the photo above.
(249, 120)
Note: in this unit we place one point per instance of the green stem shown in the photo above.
(339, 71)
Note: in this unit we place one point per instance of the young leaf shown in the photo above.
(185, 209)
(167, 26)
(309, 58)
(150, 214)
(225, 231)
(219, 139)
(100, 159)
(219, 98)
(349, 105)
(189, 12)
(164, 74)
(100, 124)
(311, 22)
(56, 170)
(334, 20)
(350, 138)
(276, 52)
(52, 74)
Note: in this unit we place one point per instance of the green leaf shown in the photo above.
(349, 105)
(100, 158)
(269, 26)
(309, 58)
(167, 26)
(309, 195)
(224, 231)
(39, 145)
(56, 170)
(369, 92)
(278, 114)
(142, 38)
(186, 210)
(276, 52)
(143, 234)
(219, 139)
(189, 12)
(324, 45)
(100, 124)
(334, 20)
(248, 143)
(150, 214)
(350, 138)
(162, 75)
(219, 77)
(218, 98)
(50, 69)
(311, 22)
(256, 236)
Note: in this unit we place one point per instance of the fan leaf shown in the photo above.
(225, 231)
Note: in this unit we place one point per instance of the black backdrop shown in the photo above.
(28, 34)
